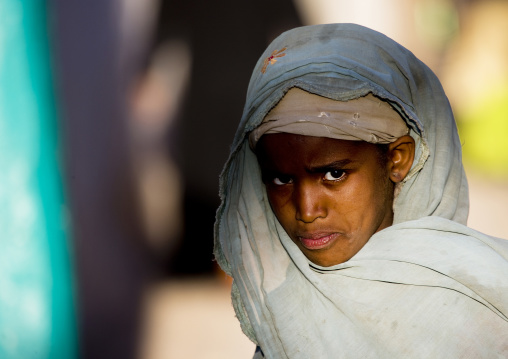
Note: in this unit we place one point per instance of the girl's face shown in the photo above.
(329, 195)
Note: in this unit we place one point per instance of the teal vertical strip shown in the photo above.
(37, 318)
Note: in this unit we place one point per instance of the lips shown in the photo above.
(317, 240)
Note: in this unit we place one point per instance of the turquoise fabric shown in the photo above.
(37, 318)
(426, 287)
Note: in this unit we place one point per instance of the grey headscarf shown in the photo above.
(426, 275)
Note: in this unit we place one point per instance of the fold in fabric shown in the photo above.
(366, 118)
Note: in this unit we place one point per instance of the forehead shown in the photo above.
(283, 149)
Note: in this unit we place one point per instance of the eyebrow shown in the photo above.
(332, 165)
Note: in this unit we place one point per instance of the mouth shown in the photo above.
(318, 240)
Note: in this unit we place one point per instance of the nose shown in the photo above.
(309, 203)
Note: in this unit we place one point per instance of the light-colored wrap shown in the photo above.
(366, 118)
(426, 287)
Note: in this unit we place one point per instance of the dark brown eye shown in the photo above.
(282, 180)
(334, 175)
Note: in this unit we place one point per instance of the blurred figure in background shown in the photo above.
(100, 50)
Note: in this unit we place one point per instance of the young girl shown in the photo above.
(344, 204)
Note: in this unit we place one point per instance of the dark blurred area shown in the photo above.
(95, 68)
(146, 90)
(225, 39)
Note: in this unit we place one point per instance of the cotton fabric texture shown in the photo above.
(366, 118)
(426, 287)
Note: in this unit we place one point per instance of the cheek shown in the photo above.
(366, 201)
(382, 203)
(280, 204)
(355, 195)
(385, 190)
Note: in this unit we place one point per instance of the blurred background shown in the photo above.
(115, 121)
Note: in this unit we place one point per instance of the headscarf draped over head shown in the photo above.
(426, 275)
